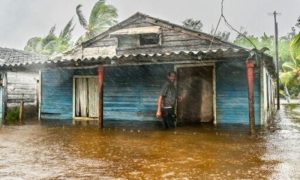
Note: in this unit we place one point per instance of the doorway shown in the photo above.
(86, 97)
(196, 87)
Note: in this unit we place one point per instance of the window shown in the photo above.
(127, 41)
(149, 39)
(139, 40)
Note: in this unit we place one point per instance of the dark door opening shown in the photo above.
(195, 85)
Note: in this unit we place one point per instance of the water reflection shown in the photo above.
(61, 151)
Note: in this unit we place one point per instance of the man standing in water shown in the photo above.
(166, 102)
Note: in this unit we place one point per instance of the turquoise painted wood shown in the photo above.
(232, 93)
(130, 92)
(56, 94)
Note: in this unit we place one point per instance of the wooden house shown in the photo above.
(18, 82)
(118, 75)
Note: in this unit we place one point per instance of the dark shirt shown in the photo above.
(168, 92)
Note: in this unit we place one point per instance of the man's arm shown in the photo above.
(158, 112)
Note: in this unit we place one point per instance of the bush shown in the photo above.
(12, 116)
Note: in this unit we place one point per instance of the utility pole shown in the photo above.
(276, 58)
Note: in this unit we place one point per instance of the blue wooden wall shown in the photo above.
(56, 98)
(232, 93)
(130, 92)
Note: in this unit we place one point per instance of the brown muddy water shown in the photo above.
(49, 151)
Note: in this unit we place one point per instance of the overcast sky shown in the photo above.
(23, 19)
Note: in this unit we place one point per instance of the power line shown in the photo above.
(222, 16)
(231, 27)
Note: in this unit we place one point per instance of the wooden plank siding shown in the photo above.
(130, 92)
(21, 85)
(232, 93)
(171, 40)
(56, 94)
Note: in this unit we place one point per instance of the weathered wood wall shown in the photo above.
(130, 92)
(21, 85)
(56, 94)
(232, 93)
(172, 39)
(268, 94)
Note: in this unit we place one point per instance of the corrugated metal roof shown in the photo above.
(22, 58)
(14, 57)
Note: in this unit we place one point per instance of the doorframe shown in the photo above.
(74, 98)
(213, 65)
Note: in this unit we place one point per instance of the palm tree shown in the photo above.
(101, 18)
(290, 75)
(52, 44)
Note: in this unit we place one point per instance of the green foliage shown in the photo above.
(289, 56)
(12, 116)
(101, 18)
(52, 44)
(295, 48)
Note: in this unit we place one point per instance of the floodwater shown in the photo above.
(53, 151)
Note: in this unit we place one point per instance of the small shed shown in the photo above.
(18, 82)
(118, 75)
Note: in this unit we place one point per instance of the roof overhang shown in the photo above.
(135, 31)
(175, 57)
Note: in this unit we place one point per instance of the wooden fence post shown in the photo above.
(21, 113)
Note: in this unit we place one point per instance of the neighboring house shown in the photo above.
(118, 75)
(18, 83)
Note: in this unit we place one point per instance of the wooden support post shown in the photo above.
(250, 79)
(21, 112)
(100, 84)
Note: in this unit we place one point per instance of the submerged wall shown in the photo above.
(130, 92)
(232, 93)
(56, 94)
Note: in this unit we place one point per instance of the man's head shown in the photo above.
(172, 76)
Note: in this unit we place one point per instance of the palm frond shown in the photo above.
(288, 65)
(52, 30)
(295, 48)
(81, 17)
(286, 77)
(102, 17)
(66, 33)
(34, 45)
